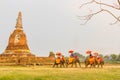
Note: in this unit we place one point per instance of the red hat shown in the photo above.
(58, 53)
(95, 53)
(71, 51)
(88, 52)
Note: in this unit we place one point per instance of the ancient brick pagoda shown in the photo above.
(17, 50)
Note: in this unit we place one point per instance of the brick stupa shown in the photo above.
(17, 50)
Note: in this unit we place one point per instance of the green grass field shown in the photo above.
(109, 72)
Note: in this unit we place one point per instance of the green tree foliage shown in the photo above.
(118, 57)
(100, 55)
(106, 57)
(79, 55)
(113, 56)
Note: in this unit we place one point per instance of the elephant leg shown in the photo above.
(98, 65)
(54, 65)
(60, 65)
(57, 65)
(101, 65)
(91, 65)
(86, 65)
(71, 64)
(94, 65)
(76, 65)
(79, 64)
(64, 64)
(67, 65)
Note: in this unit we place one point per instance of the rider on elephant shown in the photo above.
(90, 54)
(58, 59)
(71, 53)
(74, 59)
(90, 60)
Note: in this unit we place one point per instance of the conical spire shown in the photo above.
(19, 21)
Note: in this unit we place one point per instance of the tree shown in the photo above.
(102, 7)
(113, 56)
(101, 55)
(79, 55)
(106, 57)
(118, 57)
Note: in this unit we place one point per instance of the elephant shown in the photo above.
(59, 61)
(73, 61)
(99, 62)
(94, 61)
(90, 61)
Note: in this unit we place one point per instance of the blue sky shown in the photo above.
(53, 25)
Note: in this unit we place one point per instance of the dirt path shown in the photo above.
(111, 66)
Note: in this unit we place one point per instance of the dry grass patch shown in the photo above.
(48, 73)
